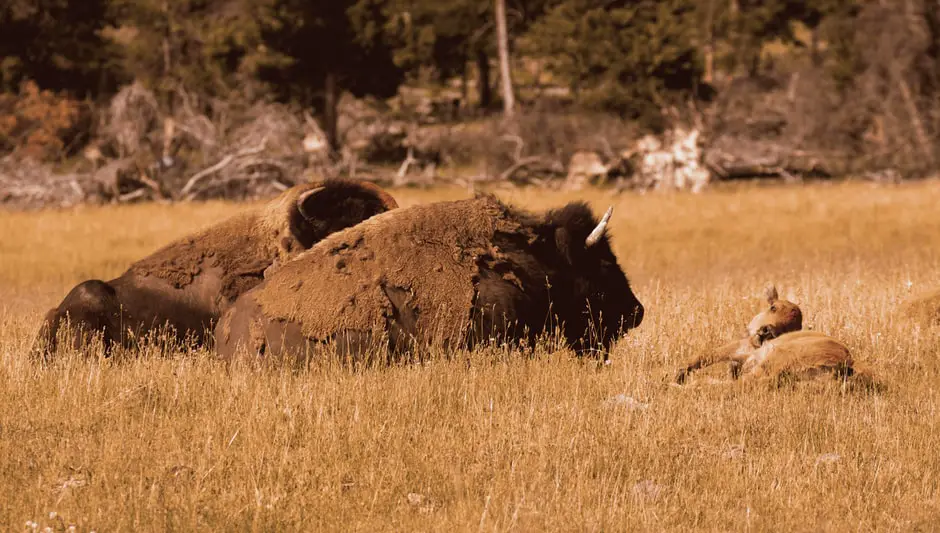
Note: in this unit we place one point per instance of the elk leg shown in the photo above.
(736, 352)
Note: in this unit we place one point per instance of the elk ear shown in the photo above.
(771, 294)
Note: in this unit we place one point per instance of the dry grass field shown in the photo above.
(494, 441)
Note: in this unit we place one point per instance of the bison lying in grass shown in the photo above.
(923, 309)
(777, 348)
(187, 284)
(450, 274)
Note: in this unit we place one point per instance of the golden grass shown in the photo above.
(493, 441)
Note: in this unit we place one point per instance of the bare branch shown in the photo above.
(227, 160)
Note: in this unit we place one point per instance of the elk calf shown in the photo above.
(776, 347)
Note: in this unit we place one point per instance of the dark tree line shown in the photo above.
(631, 57)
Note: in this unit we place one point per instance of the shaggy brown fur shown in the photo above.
(449, 274)
(776, 348)
(187, 284)
(923, 309)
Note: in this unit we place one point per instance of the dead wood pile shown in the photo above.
(203, 150)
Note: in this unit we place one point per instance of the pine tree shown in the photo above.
(445, 36)
(632, 57)
(317, 50)
(202, 46)
(57, 44)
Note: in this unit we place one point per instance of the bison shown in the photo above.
(186, 285)
(923, 309)
(776, 347)
(451, 274)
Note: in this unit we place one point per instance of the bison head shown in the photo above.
(590, 294)
(781, 316)
(332, 205)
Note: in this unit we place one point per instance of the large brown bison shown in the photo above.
(450, 274)
(187, 284)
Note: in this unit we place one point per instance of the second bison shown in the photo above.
(184, 287)
(451, 274)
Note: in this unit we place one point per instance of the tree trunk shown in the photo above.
(165, 95)
(483, 79)
(917, 124)
(736, 37)
(464, 82)
(505, 72)
(709, 54)
(167, 65)
(331, 111)
(814, 54)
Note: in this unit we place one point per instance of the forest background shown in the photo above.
(130, 100)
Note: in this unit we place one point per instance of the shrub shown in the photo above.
(37, 123)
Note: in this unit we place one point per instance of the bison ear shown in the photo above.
(770, 293)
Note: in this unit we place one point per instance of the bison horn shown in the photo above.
(302, 199)
(598, 232)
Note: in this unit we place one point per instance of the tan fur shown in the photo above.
(776, 348)
(780, 317)
(448, 274)
(442, 248)
(923, 309)
(798, 354)
(186, 285)
(241, 247)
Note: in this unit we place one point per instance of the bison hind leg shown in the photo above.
(90, 309)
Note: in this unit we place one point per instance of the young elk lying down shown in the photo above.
(776, 347)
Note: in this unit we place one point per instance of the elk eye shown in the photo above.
(773, 308)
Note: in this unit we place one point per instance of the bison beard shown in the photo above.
(185, 286)
(451, 274)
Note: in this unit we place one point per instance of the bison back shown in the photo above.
(410, 273)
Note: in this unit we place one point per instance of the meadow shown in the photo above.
(493, 440)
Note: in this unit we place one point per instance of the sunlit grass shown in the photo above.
(492, 440)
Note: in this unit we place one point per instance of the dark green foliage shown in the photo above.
(306, 41)
(756, 22)
(628, 56)
(316, 50)
(203, 46)
(874, 66)
(57, 44)
(443, 35)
